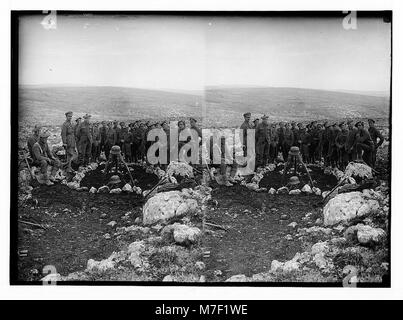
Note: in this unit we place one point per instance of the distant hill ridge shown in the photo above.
(221, 105)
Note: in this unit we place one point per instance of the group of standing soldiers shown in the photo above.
(84, 141)
(334, 143)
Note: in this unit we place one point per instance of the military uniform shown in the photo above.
(30, 143)
(43, 157)
(350, 144)
(375, 135)
(273, 152)
(69, 140)
(263, 139)
(245, 126)
(126, 140)
(364, 146)
(305, 138)
(84, 142)
(288, 142)
(96, 143)
(341, 144)
(111, 140)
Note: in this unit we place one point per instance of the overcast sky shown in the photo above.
(189, 53)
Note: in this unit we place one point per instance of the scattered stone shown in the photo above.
(127, 188)
(93, 190)
(182, 234)
(284, 217)
(346, 206)
(217, 273)
(316, 191)
(137, 220)
(134, 250)
(202, 278)
(306, 189)
(103, 189)
(283, 190)
(107, 236)
(168, 278)
(237, 278)
(293, 224)
(103, 215)
(73, 185)
(252, 186)
(295, 192)
(288, 237)
(272, 191)
(364, 234)
(112, 224)
(358, 171)
(116, 191)
(166, 205)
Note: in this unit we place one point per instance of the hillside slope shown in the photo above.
(224, 106)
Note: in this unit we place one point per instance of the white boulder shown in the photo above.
(346, 206)
(182, 234)
(166, 205)
(360, 170)
(93, 190)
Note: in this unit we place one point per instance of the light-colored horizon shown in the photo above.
(191, 53)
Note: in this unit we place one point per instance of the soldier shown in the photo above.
(341, 144)
(126, 140)
(142, 147)
(96, 142)
(263, 141)
(280, 134)
(77, 125)
(103, 130)
(305, 143)
(350, 144)
(314, 132)
(325, 142)
(69, 140)
(43, 157)
(364, 144)
(85, 140)
(294, 130)
(288, 140)
(245, 126)
(111, 139)
(319, 148)
(375, 135)
(332, 151)
(33, 139)
(273, 152)
(194, 126)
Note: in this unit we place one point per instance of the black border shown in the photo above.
(15, 15)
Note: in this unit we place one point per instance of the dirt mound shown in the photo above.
(141, 178)
(275, 179)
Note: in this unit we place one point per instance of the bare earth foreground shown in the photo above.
(247, 233)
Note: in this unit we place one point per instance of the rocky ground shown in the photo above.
(254, 231)
(244, 233)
